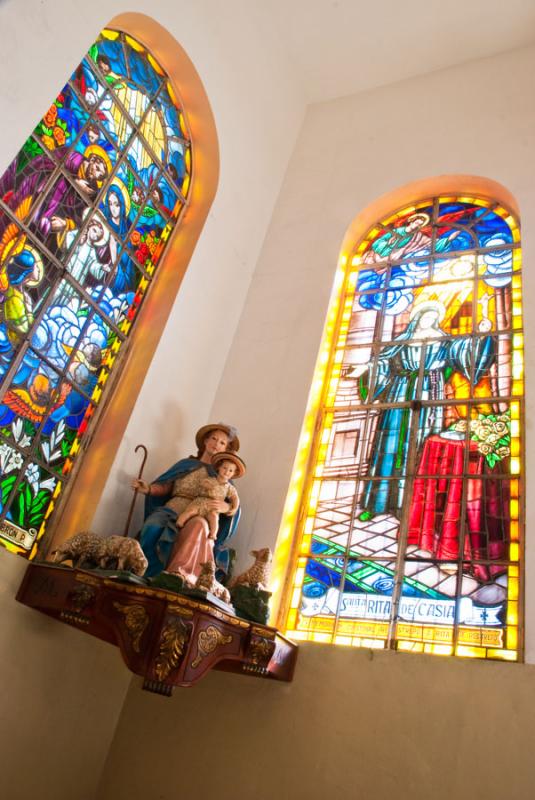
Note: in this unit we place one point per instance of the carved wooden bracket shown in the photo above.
(167, 638)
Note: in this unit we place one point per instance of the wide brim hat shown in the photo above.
(232, 433)
(240, 465)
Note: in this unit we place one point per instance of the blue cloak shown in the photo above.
(159, 531)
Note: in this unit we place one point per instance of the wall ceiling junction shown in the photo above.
(332, 48)
(341, 47)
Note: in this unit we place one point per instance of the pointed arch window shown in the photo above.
(409, 528)
(86, 211)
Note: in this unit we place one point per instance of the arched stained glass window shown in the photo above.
(86, 210)
(409, 534)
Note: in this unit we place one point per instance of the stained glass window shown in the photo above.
(409, 531)
(86, 209)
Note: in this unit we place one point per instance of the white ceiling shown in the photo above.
(339, 47)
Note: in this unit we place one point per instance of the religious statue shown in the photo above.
(88, 550)
(249, 590)
(257, 576)
(207, 582)
(182, 550)
(227, 466)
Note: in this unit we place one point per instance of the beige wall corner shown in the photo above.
(352, 724)
(62, 692)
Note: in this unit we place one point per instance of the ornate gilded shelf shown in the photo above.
(169, 639)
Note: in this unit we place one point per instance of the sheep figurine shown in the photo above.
(207, 582)
(126, 553)
(83, 549)
(257, 576)
(115, 552)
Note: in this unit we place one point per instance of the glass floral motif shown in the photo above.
(409, 534)
(86, 210)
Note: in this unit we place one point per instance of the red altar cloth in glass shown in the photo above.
(436, 504)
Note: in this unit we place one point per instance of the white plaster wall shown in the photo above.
(478, 119)
(475, 119)
(63, 691)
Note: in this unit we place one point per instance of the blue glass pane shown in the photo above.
(88, 199)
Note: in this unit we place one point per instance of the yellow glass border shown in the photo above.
(295, 534)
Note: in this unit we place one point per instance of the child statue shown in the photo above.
(227, 465)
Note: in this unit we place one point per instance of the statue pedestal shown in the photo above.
(168, 638)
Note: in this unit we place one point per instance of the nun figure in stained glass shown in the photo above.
(397, 381)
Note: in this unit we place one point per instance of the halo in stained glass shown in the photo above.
(86, 211)
(418, 444)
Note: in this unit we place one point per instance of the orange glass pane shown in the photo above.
(393, 395)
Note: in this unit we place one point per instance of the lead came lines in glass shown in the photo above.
(494, 267)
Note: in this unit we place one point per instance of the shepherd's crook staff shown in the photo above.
(132, 504)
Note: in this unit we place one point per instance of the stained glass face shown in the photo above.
(86, 210)
(411, 517)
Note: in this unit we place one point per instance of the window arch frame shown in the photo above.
(287, 548)
(76, 508)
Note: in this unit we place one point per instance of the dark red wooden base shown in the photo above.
(167, 638)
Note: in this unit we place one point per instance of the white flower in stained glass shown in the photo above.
(15, 461)
(22, 439)
(5, 453)
(16, 427)
(49, 484)
(32, 475)
(98, 278)
(115, 307)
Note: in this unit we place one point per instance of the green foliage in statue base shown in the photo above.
(251, 603)
(174, 583)
(168, 582)
(120, 575)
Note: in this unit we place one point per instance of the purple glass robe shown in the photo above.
(63, 199)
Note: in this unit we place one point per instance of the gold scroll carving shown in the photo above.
(173, 641)
(208, 640)
(136, 620)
